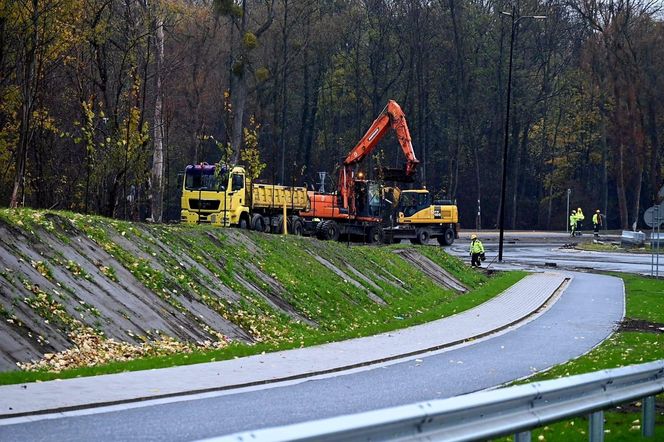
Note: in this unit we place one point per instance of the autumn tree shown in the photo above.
(242, 16)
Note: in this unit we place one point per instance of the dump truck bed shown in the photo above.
(268, 196)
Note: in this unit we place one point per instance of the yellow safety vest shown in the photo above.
(476, 246)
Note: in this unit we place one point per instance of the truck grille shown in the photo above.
(204, 204)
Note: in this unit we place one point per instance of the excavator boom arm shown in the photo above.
(391, 117)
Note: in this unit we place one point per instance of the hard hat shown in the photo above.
(573, 210)
(473, 236)
(597, 210)
(579, 209)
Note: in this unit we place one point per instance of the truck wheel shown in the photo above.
(374, 235)
(319, 230)
(423, 235)
(297, 227)
(332, 231)
(279, 228)
(258, 223)
(447, 239)
(244, 223)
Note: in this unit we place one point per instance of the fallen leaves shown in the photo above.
(91, 349)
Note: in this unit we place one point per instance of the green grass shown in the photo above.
(622, 426)
(607, 247)
(645, 301)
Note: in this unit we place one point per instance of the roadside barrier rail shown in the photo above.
(487, 414)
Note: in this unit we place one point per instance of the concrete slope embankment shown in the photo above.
(60, 272)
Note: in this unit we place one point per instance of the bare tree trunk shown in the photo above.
(239, 87)
(637, 195)
(239, 100)
(553, 154)
(655, 167)
(517, 165)
(304, 115)
(620, 187)
(28, 90)
(239, 90)
(284, 90)
(605, 165)
(157, 183)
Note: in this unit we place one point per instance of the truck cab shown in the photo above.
(214, 197)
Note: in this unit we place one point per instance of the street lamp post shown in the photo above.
(569, 191)
(515, 21)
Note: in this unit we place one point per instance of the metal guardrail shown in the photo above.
(487, 414)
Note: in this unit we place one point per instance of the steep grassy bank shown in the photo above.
(179, 294)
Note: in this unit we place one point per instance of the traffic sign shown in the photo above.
(654, 216)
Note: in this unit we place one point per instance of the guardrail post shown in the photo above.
(648, 417)
(524, 436)
(596, 426)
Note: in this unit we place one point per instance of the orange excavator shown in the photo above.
(391, 117)
(355, 208)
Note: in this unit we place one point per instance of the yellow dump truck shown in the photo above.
(226, 197)
(418, 218)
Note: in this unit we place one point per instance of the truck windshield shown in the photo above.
(205, 179)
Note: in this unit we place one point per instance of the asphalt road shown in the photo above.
(534, 250)
(583, 317)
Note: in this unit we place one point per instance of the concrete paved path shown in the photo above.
(514, 305)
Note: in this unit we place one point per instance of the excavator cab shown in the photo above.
(412, 202)
(368, 199)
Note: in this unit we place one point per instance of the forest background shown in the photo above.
(104, 102)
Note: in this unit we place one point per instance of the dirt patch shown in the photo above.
(639, 325)
(275, 300)
(571, 245)
(635, 407)
(432, 270)
(375, 298)
(242, 240)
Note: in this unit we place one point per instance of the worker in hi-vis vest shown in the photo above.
(579, 220)
(476, 251)
(597, 222)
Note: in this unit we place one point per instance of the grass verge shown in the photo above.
(645, 306)
(609, 247)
